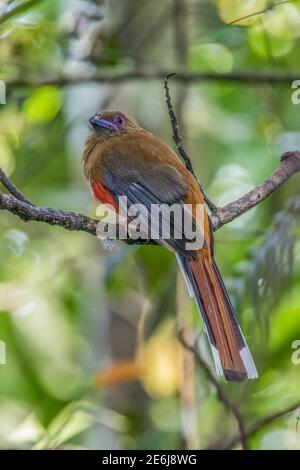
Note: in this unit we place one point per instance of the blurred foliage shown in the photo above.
(271, 270)
(91, 349)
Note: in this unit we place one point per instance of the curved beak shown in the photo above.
(97, 122)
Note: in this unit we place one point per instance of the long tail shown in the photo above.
(229, 349)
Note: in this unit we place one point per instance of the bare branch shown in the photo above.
(29, 212)
(176, 135)
(12, 188)
(179, 143)
(257, 426)
(242, 77)
(290, 164)
(260, 12)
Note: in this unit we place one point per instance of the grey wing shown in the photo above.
(161, 186)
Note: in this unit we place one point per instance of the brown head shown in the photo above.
(113, 133)
(104, 126)
(110, 123)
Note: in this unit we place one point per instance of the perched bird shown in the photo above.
(122, 159)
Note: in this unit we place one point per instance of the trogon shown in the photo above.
(122, 159)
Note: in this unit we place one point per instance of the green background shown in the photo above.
(92, 357)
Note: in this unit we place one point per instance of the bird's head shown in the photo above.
(108, 123)
(104, 125)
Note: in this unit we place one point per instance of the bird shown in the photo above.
(120, 158)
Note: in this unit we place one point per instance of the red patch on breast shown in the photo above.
(103, 195)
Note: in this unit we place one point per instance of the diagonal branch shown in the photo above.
(257, 426)
(289, 164)
(12, 188)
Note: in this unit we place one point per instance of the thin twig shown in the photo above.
(179, 143)
(12, 188)
(260, 12)
(219, 390)
(257, 426)
(176, 135)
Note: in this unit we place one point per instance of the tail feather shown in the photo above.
(230, 352)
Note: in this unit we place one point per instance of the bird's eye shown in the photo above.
(118, 119)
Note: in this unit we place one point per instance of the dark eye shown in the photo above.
(118, 119)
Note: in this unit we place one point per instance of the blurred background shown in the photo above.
(92, 356)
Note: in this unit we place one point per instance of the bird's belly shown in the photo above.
(103, 195)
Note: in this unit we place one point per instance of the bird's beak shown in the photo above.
(97, 122)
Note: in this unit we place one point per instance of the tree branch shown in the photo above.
(112, 77)
(12, 188)
(29, 212)
(26, 210)
(257, 426)
(176, 135)
(179, 143)
(289, 164)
